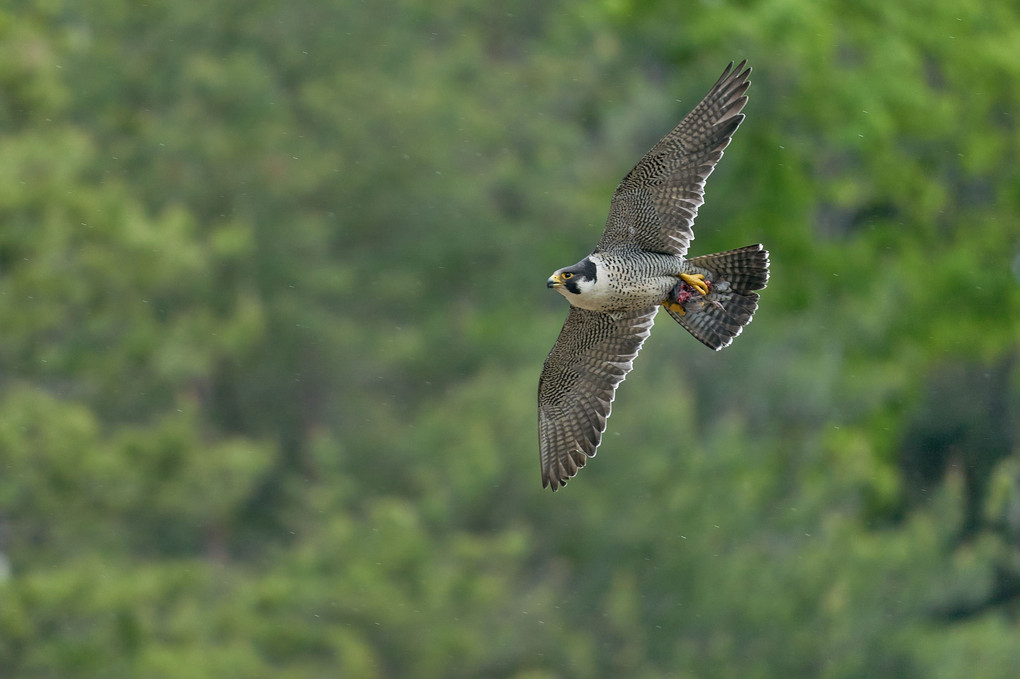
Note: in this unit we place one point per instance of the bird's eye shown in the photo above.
(566, 275)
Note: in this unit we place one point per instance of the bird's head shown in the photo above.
(574, 280)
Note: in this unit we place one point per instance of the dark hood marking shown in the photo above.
(584, 269)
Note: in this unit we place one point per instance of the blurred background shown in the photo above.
(273, 310)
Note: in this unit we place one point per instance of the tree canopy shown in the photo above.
(272, 310)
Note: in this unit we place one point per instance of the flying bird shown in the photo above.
(637, 266)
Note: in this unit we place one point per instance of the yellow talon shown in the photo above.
(697, 281)
(673, 306)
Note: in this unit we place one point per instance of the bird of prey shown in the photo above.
(637, 266)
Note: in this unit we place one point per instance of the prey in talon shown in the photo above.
(685, 288)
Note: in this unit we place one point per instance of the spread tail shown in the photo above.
(732, 278)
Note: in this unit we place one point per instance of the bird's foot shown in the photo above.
(696, 281)
(674, 307)
(684, 290)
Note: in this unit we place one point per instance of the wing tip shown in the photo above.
(555, 484)
(732, 75)
(555, 475)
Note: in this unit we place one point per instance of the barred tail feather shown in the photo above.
(715, 327)
(746, 269)
(734, 276)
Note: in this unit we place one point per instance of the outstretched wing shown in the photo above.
(592, 355)
(655, 205)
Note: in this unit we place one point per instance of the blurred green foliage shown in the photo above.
(272, 314)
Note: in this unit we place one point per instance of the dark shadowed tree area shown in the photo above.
(273, 309)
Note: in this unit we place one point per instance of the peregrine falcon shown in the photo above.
(637, 266)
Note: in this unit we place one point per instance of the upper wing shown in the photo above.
(656, 203)
(592, 355)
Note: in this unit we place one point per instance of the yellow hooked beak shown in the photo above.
(555, 281)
